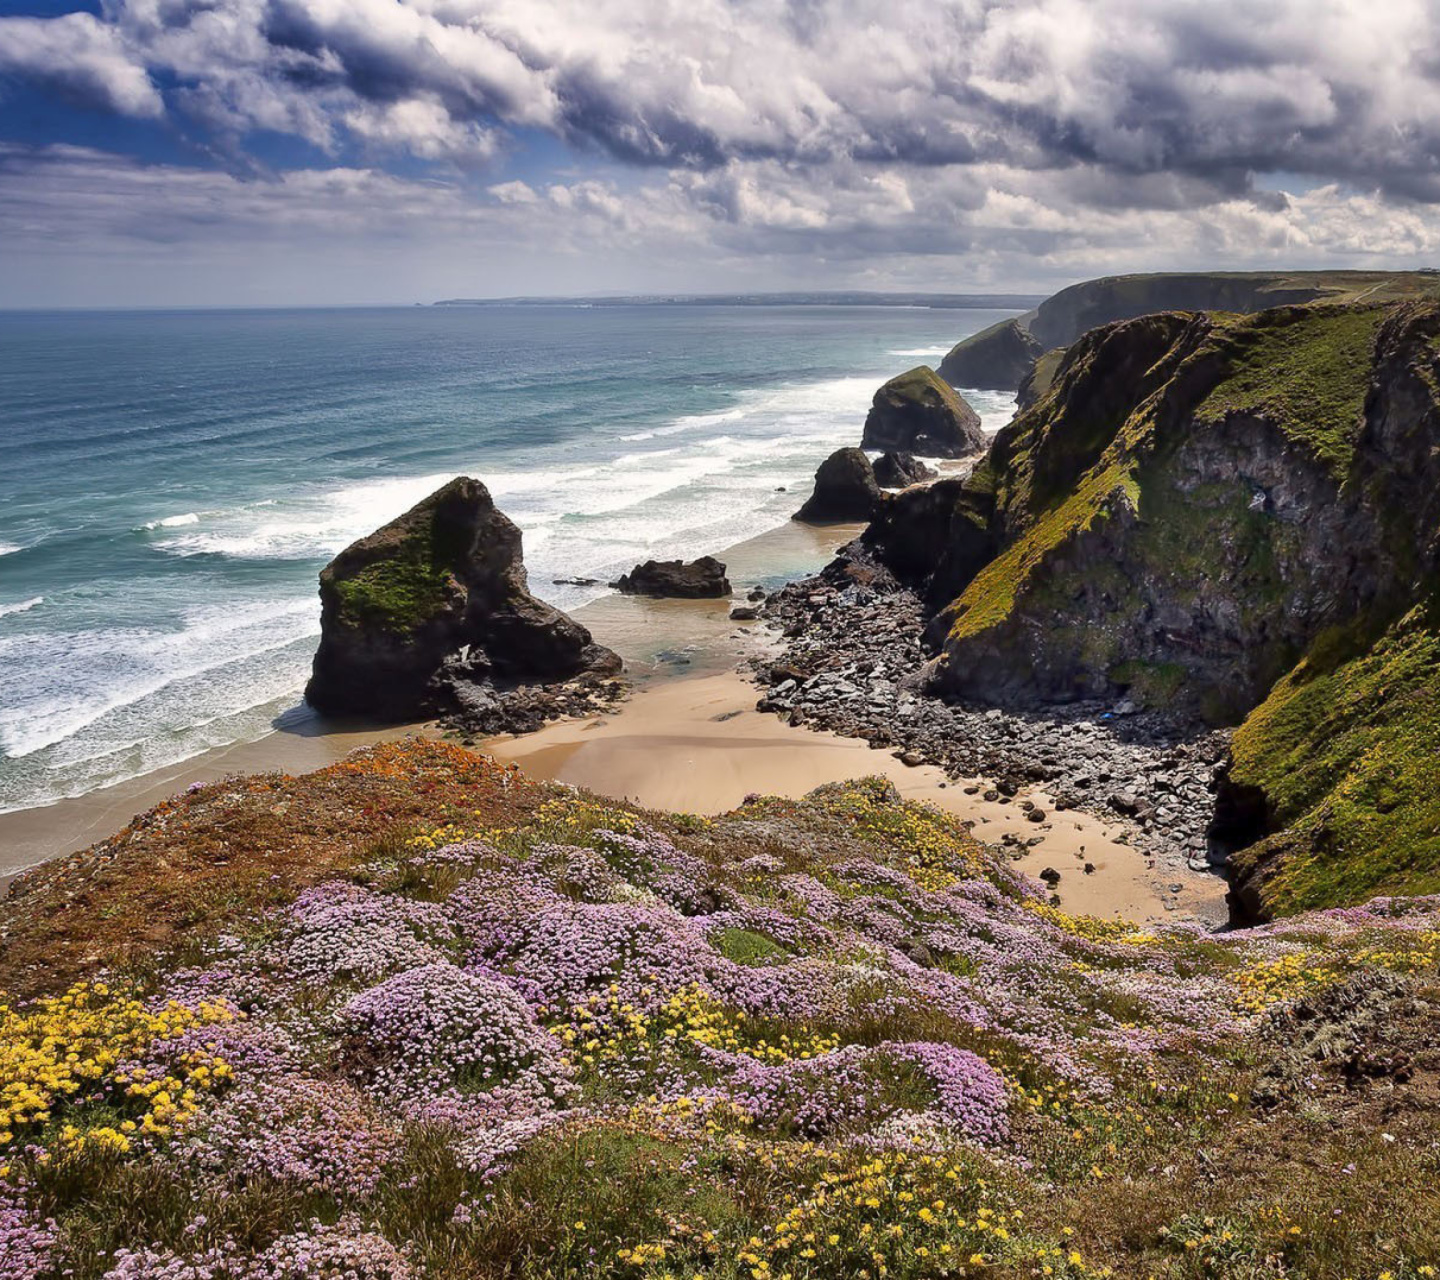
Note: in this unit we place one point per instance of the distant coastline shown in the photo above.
(935, 301)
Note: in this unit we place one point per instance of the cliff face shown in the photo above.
(1198, 504)
(445, 578)
(1001, 357)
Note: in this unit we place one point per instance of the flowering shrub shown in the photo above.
(810, 1039)
(439, 1026)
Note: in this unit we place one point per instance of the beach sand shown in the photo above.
(689, 739)
(698, 745)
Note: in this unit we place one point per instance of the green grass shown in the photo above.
(407, 585)
(1347, 751)
(1309, 378)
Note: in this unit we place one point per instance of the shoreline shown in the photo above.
(688, 738)
(660, 641)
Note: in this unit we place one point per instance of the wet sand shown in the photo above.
(658, 639)
(689, 739)
(699, 746)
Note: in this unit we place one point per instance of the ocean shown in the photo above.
(172, 482)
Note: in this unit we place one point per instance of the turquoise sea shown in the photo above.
(171, 483)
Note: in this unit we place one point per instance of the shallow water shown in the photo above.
(172, 482)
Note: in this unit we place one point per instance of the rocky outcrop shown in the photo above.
(440, 589)
(845, 490)
(995, 359)
(1200, 503)
(901, 470)
(700, 579)
(917, 412)
(1000, 357)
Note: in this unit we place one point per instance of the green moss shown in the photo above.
(744, 946)
(1347, 751)
(406, 585)
(1155, 684)
(990, 597)
(1308, 377)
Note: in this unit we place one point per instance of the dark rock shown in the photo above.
(1050, 876)
(845, 490)
(443, 582)
(901, 470)
(700, 579)
(995, 359)
(744, 613)
(1036, 814)
(920, 413)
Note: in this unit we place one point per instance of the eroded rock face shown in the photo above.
(845, 490)
(918, 412)
(700, 579)
(442, 589)
(901, 470)
(1226, 519)
(995, 359)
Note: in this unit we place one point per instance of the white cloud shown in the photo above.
(88, 59)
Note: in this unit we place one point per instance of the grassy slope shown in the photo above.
(1132, 1144)
(1304, 370)
(1347, 749)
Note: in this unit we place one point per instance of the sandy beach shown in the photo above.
(698, 745)
(658, 639)
(688, 739)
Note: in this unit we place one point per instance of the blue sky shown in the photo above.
(258, 152)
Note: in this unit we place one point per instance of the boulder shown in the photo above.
(700, 579)
(845, 489)
(920, 413)
(995, 359)
(901, 470)
(440, 589)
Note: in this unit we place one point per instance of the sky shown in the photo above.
(280, 152)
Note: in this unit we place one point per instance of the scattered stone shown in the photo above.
(744, 613)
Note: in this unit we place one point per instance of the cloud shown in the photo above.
(929, 143)
(1212, 91)
(84, 58)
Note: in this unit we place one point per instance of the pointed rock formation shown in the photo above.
(845, 490)
(918, 412)
(443, 584)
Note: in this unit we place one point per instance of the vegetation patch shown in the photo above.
(1346, 750)
(1308, 376)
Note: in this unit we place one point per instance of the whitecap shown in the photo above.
(21, 606)
(173, 522)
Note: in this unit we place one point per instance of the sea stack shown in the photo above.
(845, 490)
(918, 412)
(443, 584)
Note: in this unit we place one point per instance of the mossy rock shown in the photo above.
(918, 412)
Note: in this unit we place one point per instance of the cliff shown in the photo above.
(441, 584)
(1000, 357)
(1197, 507)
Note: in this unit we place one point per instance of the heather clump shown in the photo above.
(831, 1037)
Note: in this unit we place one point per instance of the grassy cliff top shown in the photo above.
(921, 384)
(412, 1016)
